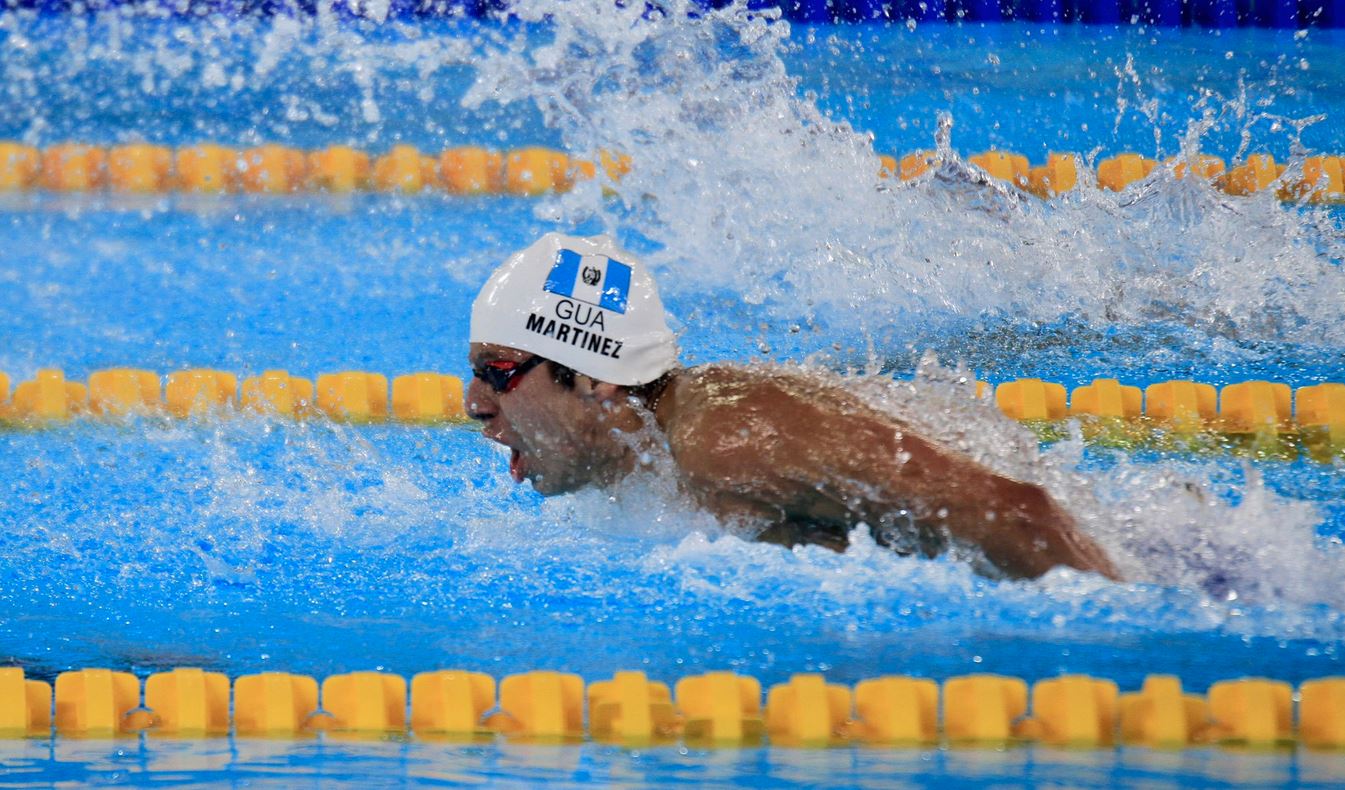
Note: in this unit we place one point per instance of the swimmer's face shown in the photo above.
(559, 437)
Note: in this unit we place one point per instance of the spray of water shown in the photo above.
(744, 188)
(746, 184)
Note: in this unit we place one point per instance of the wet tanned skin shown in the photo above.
(799, 452)
(803, 457)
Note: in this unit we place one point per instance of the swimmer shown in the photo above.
(572, 359)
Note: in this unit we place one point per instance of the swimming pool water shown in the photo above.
(281, 764)
(251, 544)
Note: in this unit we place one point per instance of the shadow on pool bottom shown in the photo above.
(147, 761)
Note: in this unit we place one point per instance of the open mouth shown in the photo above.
(516, 465)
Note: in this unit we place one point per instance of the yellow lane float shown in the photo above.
(148, 168)
(717, 708)
(1263, 417)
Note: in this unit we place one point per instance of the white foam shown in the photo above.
(742, 186)
(750, 189)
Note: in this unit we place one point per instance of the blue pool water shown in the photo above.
(272, 764)
(252, 544)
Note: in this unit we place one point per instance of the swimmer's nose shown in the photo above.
(480, 401)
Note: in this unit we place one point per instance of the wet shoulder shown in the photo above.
(717, 389)
(709, 387)
(721, 410)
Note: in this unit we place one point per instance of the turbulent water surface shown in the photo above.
(249, 544)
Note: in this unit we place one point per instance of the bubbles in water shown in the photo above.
(748, 188)
(759, 211)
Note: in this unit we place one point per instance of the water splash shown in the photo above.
(751, 202)
(745, 185)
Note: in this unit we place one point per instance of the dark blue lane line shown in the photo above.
(1284, 14)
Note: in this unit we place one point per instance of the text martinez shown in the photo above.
(582, 336)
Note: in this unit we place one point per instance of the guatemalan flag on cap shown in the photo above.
(582, 302)
(599, 280)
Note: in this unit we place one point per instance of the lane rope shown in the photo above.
(143, 168)
(715, 708)
(1261, 418)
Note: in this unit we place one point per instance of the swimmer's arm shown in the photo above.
(1017, 525)
(805, 463)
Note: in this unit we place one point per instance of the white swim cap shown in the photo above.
(582, 302)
